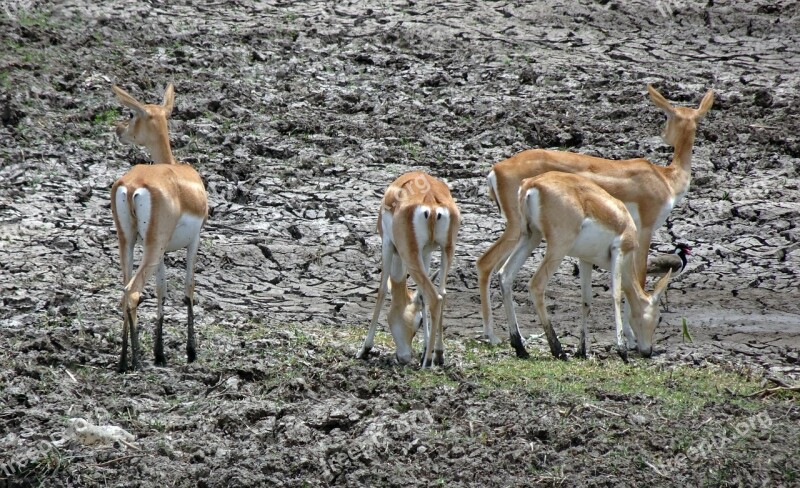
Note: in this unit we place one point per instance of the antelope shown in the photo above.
(163, 205)
(417, 215)
(579, 218)
(648, 191)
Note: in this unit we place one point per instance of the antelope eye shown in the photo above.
(131, 115)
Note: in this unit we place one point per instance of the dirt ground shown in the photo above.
(298, 114)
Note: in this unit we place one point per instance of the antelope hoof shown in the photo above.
(363, 353)
(191, 355)
(583, 348)
(519, 347)
(438, 358)
(160, 361)
(623, 354)
(492, 339)
(426, 362)
(122, 368)
(555, 349)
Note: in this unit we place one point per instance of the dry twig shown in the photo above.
(116, 460)
(608, 412)
(771, 391)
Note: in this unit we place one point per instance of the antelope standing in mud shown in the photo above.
(163, 205)
(578, 218)
(417, 215)
(648, 191)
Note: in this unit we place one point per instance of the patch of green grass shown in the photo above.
(677, 388)
(43, 463)
(52, 319)
(421, 379)
(34, 18)
(411, 148)
(158, 425)
(13, 45)
(106, 117)
(33, 57)
(34, 181)
(87, 145)
(5, 79)
(25, 53)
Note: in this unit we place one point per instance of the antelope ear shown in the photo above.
(126, 99)
(661, 287)
(705, 104)
(169, 99)
(659, 100)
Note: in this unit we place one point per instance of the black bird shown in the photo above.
(659, 265)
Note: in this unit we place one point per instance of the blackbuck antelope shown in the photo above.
(417, 215)
(648, 191)
(163, 205)
(579, 218)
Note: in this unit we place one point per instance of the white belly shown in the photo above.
(186, 232)
(594, 243)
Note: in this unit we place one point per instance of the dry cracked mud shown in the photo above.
(298, 114)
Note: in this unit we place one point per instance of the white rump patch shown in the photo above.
(442, 225)
(143, 206)
(124, 216)
(492, 179)
(534, 210)
(420, 225)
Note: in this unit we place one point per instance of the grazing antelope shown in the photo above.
(417, 215)
(648, 191)
(579, 218)
(164, 205)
